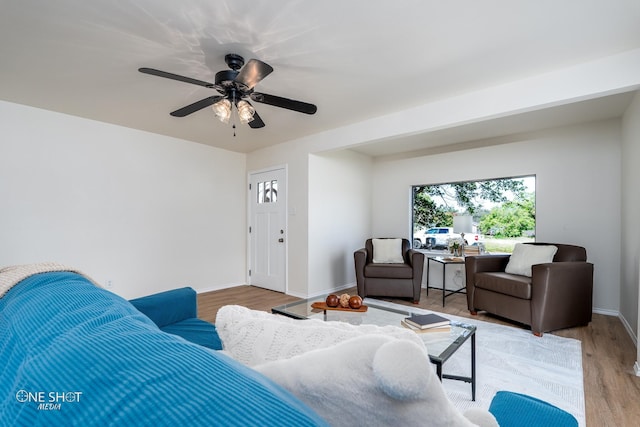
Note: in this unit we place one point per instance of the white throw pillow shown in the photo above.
(387, 251)
(370, 380)
(524, 256)
(254, 337)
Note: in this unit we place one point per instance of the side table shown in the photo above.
(445, 261)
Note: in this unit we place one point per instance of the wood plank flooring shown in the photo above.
(612, 390)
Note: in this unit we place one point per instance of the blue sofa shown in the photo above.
(75, 354)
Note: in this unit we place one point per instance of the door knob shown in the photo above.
(281, 240)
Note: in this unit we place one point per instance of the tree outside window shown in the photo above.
(503, 212)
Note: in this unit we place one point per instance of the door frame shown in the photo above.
(285, 168)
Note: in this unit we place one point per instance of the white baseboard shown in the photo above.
(218, 287)
(629, 329)
(297, 295)
(329, 290)
(293, 294)
(322, 292)
(606, 312)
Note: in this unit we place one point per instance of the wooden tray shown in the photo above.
(323, 306)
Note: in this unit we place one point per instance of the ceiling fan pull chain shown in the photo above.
(233, 123)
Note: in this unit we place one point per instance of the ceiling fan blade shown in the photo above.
(172, 76)
(199, 105)
(289, 104)
(257, 122)
(253, 72)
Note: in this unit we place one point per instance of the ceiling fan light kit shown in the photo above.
(235, 86)
(222, 110)
(245, 111)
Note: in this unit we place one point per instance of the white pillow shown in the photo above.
(370, 380)
(524, 256)
(253, 337)
(387, 251)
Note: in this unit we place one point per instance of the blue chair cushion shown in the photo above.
(519, 410)
(197, 331)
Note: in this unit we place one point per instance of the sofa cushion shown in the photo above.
(389, 271)
(509, 284)
(387, 251)
(524, 256)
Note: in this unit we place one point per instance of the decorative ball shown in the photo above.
(355, 302)
(332, 300)
(344, 300)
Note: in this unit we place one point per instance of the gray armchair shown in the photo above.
(399, 280)
(558, 294)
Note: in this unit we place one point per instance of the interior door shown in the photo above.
(267, 229)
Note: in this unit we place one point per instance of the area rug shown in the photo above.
(513, 359)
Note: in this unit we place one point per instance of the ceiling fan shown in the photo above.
(236, 88)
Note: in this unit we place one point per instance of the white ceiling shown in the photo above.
(354, 59)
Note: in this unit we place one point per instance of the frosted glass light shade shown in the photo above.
(222, 110)
(245, 111)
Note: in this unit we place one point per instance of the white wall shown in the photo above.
(630, 243)
(339, 217)
(577, 190)
(145, 211)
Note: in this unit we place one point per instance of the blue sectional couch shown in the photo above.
(72, 353)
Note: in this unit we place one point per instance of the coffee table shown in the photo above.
(440, 345)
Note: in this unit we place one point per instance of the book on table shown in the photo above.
(446, 328)
(427, 321)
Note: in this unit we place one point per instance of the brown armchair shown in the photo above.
(401, 280)
(557, 295)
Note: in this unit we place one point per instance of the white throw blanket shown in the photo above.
(14, 274)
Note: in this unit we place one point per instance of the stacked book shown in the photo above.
(427, 323)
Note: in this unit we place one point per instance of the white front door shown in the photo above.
(267, 229)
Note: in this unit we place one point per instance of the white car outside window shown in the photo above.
(438, 237)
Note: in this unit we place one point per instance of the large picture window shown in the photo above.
(492, 214)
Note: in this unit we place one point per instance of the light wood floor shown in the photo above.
(612, 391)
